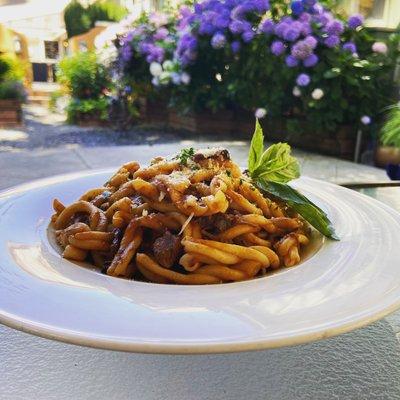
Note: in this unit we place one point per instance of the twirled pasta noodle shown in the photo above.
(189, 221)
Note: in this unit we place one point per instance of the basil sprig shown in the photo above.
(275, 164)
(270, 171)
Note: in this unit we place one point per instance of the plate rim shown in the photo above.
(114, 344)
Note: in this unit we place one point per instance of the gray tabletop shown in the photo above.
(364, 364)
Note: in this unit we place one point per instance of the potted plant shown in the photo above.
(88, 84)
(12, 92)
(388, 153)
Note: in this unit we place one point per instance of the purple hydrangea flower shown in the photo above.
(238, 26)
(305, 17)
(235, 46)
(175, 78)
(301, 50)
(206, 28)
(126, 52)
(311, 61)
(355, 21)
(222, 21)
(297, 7)
(218, 41)
(291, 62)
(161, 34)
(332, 41)
(248, 36)
(303, 80)
(350, 47)
(267, 26)
(281, 28)
(324, 18)
(277, 48)
(261, 5)
(380, 47)
(335, 27)
(311, 41)
(317, 9)
(291, 34)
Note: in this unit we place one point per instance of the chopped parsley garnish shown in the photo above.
(228, 173)
(184, 155)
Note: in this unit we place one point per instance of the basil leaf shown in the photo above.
(256, 148)
(299, 203)
(277, 164)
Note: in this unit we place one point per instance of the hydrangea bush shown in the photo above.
(296, 59)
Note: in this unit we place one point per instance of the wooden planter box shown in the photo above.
(153, 112)
(221, 123)
(10, 113)
(240, 124)
(90, 120)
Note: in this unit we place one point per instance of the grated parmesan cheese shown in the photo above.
(208, 153)
(161, 196)
(186, 223)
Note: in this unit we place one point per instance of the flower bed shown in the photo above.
(297, 61)
(10, 113)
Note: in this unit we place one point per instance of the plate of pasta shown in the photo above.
(194, 254)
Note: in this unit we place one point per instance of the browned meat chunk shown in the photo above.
(216, 153)
(167, 249)
(218, 222)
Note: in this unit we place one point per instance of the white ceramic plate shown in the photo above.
(345, 285)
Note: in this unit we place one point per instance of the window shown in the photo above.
(51, 49)
(17, 45)
(377, 13)
(373, 9)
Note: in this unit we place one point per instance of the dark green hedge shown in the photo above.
(79, 19)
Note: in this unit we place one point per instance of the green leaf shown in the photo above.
(277, 164)
(256, 148)
(299, 203)
(332, 73)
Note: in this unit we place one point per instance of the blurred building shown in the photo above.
(34, 30)
(38, 36)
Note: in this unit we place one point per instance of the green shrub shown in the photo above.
(79, 19)
(87, 82)
(391, 130)
(11, 68)
(106, 10)
(12, 71)
(97, 108)
(83, 76)
(12, 90)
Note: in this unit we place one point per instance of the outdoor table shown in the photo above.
(363, 364)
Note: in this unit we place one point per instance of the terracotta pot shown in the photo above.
(385, 155)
